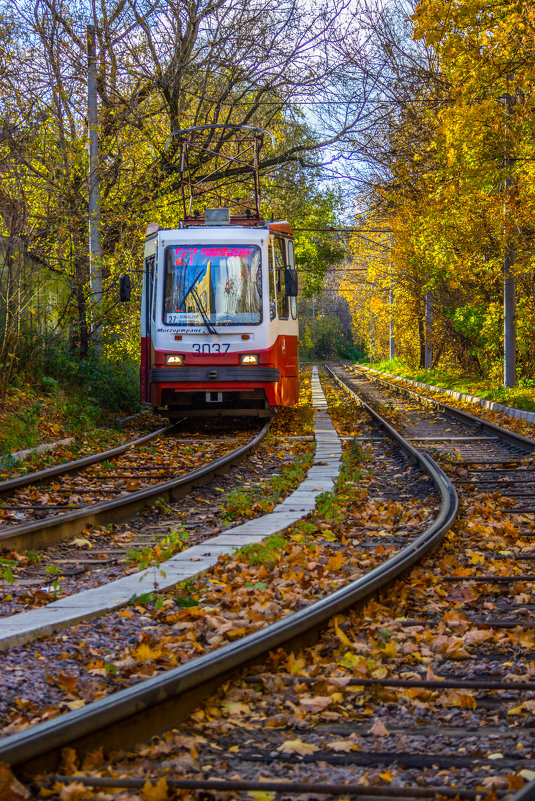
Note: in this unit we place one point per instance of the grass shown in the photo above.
(520, 397)
(265, 552)
(153, 555)
(248, 503)
(57, 395)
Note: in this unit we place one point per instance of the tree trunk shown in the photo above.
(421, 341)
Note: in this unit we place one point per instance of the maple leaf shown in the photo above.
(294, 666)
(335, 562)
(66, 682)
(144, 653)
(155, 792)
(297, 747)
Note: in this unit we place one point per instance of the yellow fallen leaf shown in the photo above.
(464, 700)
(342, 745)
(335, 562)
(81, 542)
(155, 792)
(340, 634)
(75, 704)
(297, 747)
(235, 633)
(143, 653)
(294, 666)
(236, 708)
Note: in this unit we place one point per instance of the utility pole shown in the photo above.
(95, 248)
(509, 281)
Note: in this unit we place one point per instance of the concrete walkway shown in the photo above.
(85, 605)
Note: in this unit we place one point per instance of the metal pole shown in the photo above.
(509, 281)
(95, 248)
(509, 316)
(428, 350)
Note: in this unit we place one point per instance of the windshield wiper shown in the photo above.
(198, 303)
(193, 292)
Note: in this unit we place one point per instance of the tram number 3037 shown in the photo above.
(206, 349)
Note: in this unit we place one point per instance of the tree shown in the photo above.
(161, 67)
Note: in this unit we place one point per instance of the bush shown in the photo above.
(112, 387)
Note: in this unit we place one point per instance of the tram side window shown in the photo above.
(154, 290)
(280, 269)
(272, 293)
(291, 265)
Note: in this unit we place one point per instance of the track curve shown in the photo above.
(150, 706)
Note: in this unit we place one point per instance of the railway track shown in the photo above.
(176, 690)
(62, 501)
(413, 695)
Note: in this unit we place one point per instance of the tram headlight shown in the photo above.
(174, 358)
(249, 358)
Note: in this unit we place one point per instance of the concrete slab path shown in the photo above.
(27, 626)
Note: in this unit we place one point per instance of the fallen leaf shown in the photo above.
(10, 787)
(342, 745)
(379, 729)
(75, 791)
(297, 747)
(81, 542)
(155, 792)
(314, 703)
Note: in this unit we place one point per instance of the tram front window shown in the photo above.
(221, 284)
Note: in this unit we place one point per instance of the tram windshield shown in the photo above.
(218, 284)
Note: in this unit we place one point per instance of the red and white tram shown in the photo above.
(219, 330)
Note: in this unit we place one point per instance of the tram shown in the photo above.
(219, 329)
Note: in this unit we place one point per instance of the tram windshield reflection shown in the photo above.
(224, 280)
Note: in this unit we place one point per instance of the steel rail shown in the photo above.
(284, 787)
(513, 438)
(135, 713)
(527, 793)
(38, 533)
(71, 467)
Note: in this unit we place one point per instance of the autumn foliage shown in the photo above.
(458, 194)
